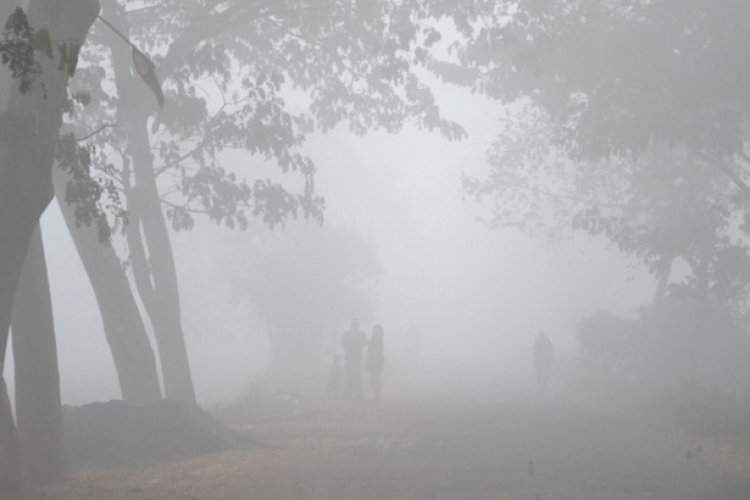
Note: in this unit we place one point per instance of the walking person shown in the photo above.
(354, 342)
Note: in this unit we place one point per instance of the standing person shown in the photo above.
(375, 360)
(354, 342)
(544, 357)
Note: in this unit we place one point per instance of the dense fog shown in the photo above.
(476, 297)
(374, 249)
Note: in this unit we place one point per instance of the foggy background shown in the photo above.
(477, 296)
(468, 175)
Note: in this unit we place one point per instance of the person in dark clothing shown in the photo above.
(375, 360)
(544, 357)
(354, 342)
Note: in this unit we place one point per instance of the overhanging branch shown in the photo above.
(733, 176)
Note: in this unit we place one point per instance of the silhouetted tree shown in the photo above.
(37, 378)
(626, 120)
(41, 52)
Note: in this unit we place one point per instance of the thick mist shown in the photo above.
(374, 250)
(476, 297)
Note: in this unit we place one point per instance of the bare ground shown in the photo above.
(433, 449)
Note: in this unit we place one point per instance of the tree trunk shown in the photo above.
(29, 129)
(123, 326)
(38, 406)
(163, 301)
(10, 471)
(10, 455)
(155, 275)
(663, 273)
(19, 216)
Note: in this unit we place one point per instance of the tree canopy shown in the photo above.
(257, 77)
(629, 121)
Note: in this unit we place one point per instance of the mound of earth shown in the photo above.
(116, 433)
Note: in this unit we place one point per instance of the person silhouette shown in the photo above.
(544, 357)
(375, 360)
(354, 342)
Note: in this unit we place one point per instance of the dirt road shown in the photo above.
(437, 450)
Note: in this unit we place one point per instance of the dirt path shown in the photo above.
(428, 450)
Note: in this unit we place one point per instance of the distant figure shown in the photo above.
(354, 342)
(375, 360)
(333, 388)
(544, 357)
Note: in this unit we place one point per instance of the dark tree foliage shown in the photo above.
(228, 70)
(18, 49)
(93, 197)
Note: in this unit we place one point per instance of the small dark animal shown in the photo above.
(531, 467)
(689, 454)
